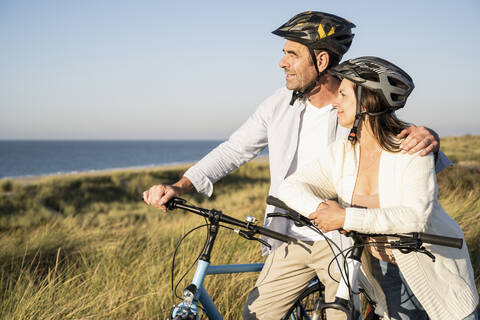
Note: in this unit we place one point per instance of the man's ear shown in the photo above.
(323, 59)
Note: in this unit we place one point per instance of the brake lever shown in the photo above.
(299, 220)
(426, 252)
(407, 246)
(249, 236)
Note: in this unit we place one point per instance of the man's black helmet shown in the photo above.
(319, 30)
(378, 75)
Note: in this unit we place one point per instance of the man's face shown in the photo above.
(298, 65)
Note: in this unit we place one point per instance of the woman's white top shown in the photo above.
(408, 203)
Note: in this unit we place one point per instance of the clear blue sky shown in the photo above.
(118, 69)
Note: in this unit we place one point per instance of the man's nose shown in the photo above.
(283, 62)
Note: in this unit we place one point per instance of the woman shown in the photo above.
(382, 190)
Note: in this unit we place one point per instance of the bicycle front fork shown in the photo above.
(188, 308)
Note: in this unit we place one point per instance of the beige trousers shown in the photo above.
(286, 273)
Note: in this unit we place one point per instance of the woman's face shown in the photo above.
(346, 103)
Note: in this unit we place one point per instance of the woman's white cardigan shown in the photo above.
(408, 203)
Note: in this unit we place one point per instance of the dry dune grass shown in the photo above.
(86, 247)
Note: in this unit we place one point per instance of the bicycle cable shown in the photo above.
(174, 290)
(346, 252)
(340, 253)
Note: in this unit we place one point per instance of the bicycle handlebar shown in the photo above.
(180, 203)
(294, 215)
(423, 237)
(440, 240)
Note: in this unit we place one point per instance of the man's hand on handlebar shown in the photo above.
(158, 195)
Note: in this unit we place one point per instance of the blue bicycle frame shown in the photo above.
(203, 269)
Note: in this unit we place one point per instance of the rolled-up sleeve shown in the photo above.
(243, 145)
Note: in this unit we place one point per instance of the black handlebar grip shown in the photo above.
(271, 200)
(172, 203)
(441, 240)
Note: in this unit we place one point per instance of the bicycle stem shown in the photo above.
(212, 235)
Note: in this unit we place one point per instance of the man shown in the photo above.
(297, 123)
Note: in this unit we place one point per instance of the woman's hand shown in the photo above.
(329, 216)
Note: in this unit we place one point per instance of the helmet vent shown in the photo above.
(397, 97)
(370, 76)
(342, 38)
(396, 83)
(372, 66)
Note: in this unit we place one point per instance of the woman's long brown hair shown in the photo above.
(386, 126)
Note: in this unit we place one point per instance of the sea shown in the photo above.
(30, 158)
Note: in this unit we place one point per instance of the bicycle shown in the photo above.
(195, 292)
(311, 303)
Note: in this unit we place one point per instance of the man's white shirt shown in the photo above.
(312, 144)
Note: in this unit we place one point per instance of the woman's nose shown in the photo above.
(336, 102)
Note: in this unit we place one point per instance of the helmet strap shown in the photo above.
(358, 115)
(314, 59)
(352, 137)
(301, 94)
(373, 114)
